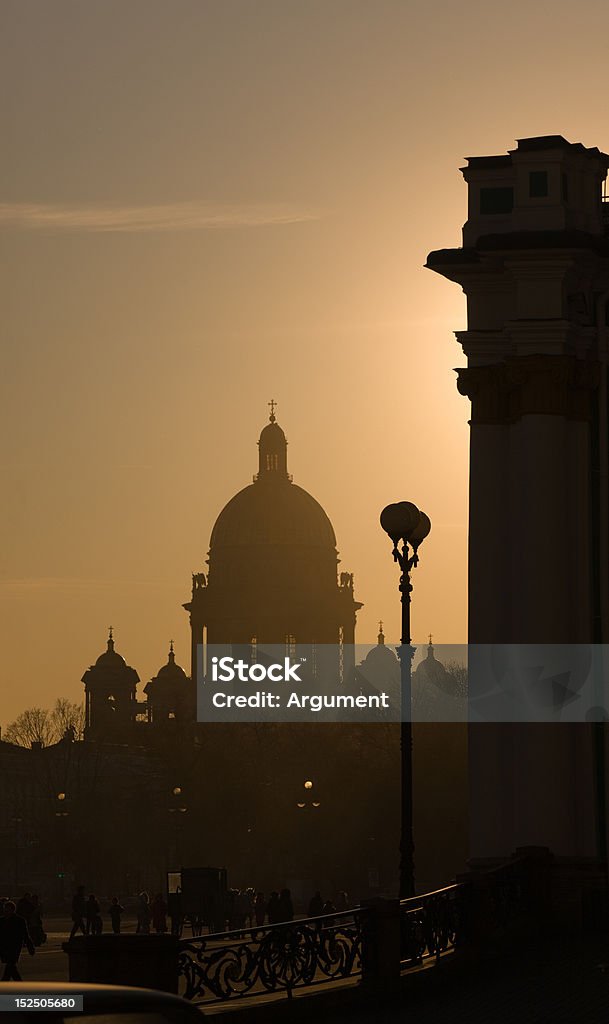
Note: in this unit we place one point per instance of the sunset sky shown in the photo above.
(206, 205)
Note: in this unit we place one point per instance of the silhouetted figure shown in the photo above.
(250, 899)
(34, 923)
(240, 910)
(24, 907)
(14, 935)
(159, 915)
(285, 907)
(93, 916)
(115, 915)
(316, 905)
(143, 914)
(79, 906)
(273, 908)
(342, 902)
(260, 909)
(328, 908)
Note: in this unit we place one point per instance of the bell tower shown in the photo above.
(534, 267)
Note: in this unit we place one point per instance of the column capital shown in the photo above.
(502, 393)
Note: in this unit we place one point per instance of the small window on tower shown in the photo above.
(538, 184)
(496, 200)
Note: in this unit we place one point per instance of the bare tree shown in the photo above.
(39, 725)
(31, 726)
(64, 715)
(459, 674)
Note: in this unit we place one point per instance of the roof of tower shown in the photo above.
(169, 675)
(111, 664)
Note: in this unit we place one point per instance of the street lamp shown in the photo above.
(176, 808)
(407, 526)
(62, 813)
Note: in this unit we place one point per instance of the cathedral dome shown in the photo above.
(272, 510)
(282, 514)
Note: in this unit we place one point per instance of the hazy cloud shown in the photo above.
(187, 216)
(44, 583)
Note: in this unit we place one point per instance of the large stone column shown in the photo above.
(534, 267)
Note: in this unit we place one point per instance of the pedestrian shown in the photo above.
(260, 909)
(342, 902)
(316, 905)
(35, 925)
(159, 914)
(328, 908)
(273, 908)
(285, 907)
(24, 907)
(78, 911)
(115, 915)
(14, 935)
(93, 916)
(143, 914)
(250, 899)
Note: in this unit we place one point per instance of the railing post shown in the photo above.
(381, 944)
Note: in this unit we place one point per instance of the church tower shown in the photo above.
(170, 696)
(273, 561)
(110, 697)
(534, 266)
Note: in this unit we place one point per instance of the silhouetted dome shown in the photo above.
(169, 677)
(111, 660)
(431, 672)
(380, 669)
(435, 695)
(272, 510)
(279, 514)
(111, 666)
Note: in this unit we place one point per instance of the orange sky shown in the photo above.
(207, 205)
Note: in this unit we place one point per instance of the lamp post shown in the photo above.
(61, 814)
(407, 526)
(177, 808)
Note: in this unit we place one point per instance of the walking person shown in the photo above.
(316, 905)
(79, 905)
(273, 908)
(93, 916)
(285, 906)
(115, 915)
(159, 914)
(34, 923)
(143, 914)
(14, 935)
(24, 908)
(260, 909)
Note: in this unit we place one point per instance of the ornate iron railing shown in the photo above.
(431, 924)
(272, 958)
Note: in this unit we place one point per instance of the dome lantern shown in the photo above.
(272, 451)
